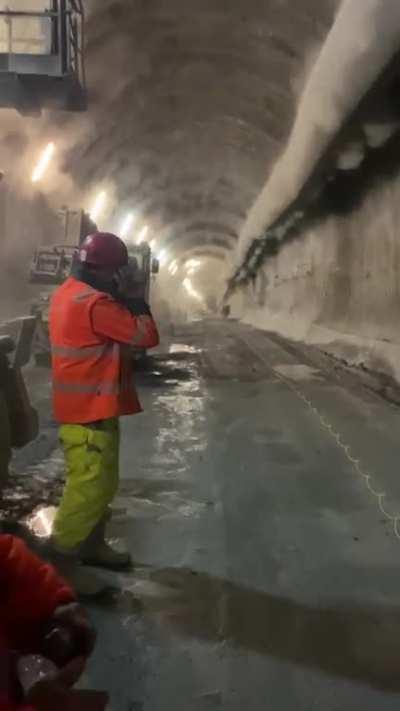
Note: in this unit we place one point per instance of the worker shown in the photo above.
(95, 320)
(33, 599)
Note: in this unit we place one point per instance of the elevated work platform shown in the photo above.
(41, 56)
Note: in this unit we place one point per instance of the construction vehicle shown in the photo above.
(145, 266)
(140, 256)
(42, 56)
(51, 265)
(41, 66)
(19, 423)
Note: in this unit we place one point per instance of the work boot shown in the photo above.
(86, 584)
(97, 552)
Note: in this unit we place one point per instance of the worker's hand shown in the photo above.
(74, 621)
(138, 307)
(56, 693)
(129, 282)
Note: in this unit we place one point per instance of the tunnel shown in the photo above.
(199, 354)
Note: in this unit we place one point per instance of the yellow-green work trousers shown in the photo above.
(92, 474)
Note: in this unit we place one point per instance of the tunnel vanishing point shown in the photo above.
(261, 138)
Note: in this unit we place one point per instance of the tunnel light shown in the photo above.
(191, 291)
(142, 234)
(126, 224)
(162, 256)
(153, 244)
(193, 264)
(191, 271)
(98, 205)
(43, 163)
(173, 267)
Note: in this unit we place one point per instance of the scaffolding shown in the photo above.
(42, 54)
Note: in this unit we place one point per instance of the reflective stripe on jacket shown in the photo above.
(91, 337)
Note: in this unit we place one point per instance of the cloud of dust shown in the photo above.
(28, 212)
(24, 137)
(363, 39)
(173, 304)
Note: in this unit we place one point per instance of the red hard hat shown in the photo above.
(103, 249)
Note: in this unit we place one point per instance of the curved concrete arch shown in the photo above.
(111, 160)
(160, 195)
(193, 201)
(215, 252)
(191, 104)
(200, 238)
(161, 27)
(195, 242)
(203, 197)
(215, 228)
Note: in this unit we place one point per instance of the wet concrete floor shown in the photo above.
(267, 575)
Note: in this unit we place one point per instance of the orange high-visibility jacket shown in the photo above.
(91, 335)
(30, 593)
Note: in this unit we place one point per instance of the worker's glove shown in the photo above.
(68, 634)
(138, 307)
(129, 281)
(55, 693)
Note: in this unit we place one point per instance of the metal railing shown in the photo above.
(64, 39)
(75, 18)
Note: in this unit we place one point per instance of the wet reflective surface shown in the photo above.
(266, 574)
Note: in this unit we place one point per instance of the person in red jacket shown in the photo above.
(32, 597)
(95, 320)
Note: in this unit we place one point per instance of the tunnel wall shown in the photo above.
(338, 285)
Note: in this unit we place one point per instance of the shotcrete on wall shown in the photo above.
(336, 284)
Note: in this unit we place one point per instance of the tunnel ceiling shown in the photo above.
(190, 104)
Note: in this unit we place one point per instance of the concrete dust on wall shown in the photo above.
(363, 39)
(338, 286)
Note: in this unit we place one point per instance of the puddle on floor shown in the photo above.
(148, 488)
(165, 375)
(183, 348)
(166, 505)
